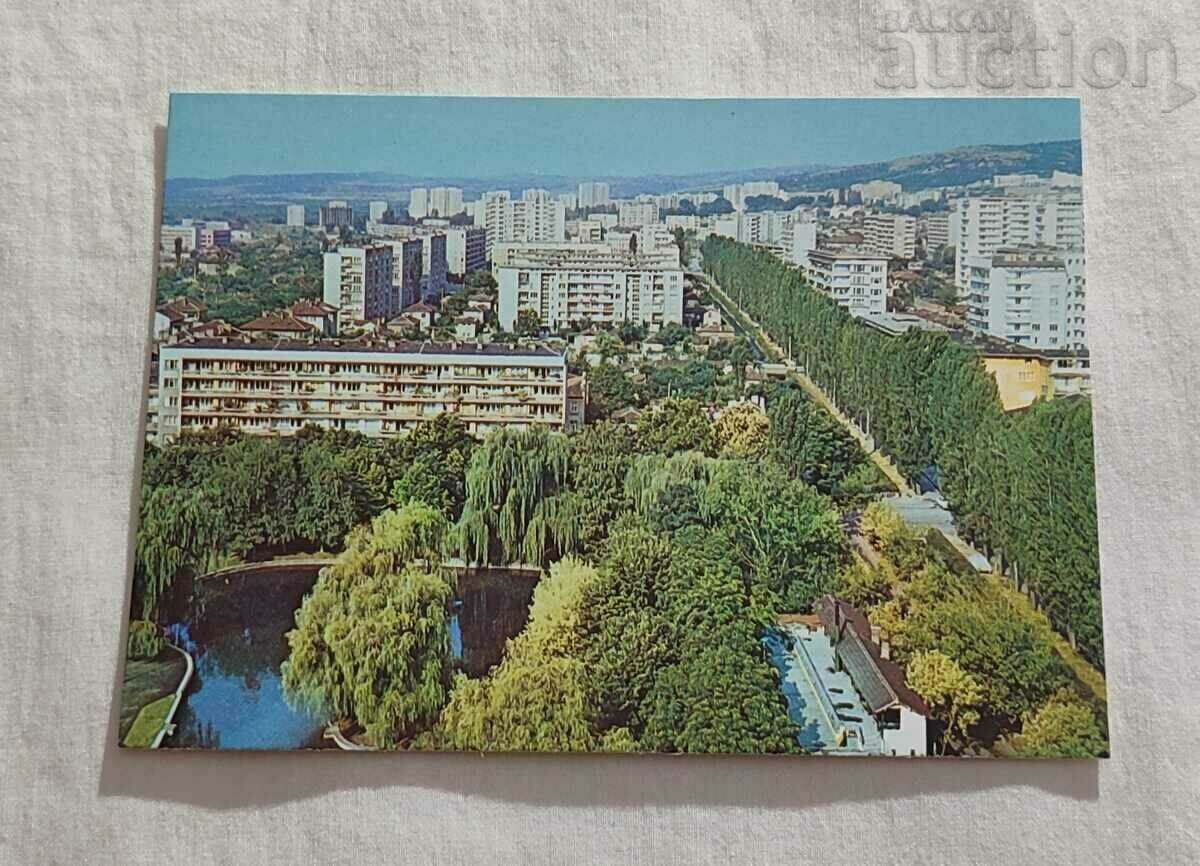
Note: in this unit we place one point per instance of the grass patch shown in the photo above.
(148, 723)
(147, 681)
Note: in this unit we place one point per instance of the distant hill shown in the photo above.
(266, 194)
(960, 166)
(187, 193)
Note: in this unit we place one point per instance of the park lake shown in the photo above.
(235, 628)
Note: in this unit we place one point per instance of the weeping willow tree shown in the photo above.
(670, 492)
(178, 530)
(517, 507)
(536, 699)
(371, 643)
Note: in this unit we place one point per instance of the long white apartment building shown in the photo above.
(565, 283)
(891, 234)
(187, 235)
(380, 388)
(1032, 296)
(760, 227)
(358, 281)
(983, 225)
(877, 190)
(637, 213)
(737, 193)
(856, 279)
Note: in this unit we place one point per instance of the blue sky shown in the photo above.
(217, 135)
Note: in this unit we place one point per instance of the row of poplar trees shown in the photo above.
(1021, 483)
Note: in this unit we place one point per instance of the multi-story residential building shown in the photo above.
(891, 234)
(986, 224)
(565, 283)
(650, 237)
(418, 203)
(295, 215)
(589, 231)
(536, 217)
(435, 240)
(592, 194)
(632, 213)
(1025, 295)
(215, 235)
(466, 250)
(856, 279)
(569, 200)
(877, 190)
(737, 193)
(376, 210)
(188, 236)
(937, 231)
(799, 240)
(445, 202)
(358, 281)
(433, 264)
(408, 263)
(1015, 180)
(336, 215)
(687, 222)
(378, 388)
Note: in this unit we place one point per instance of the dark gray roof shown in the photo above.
(382, 346)
(864, 672)
(880, 681)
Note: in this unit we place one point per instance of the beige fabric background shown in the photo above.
(83, 90)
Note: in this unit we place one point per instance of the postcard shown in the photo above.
(619, 425)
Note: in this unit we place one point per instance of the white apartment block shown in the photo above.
(1015, 180)
(891, 234)
(188, 235)
(295, 215)
(760, 227)
(592, 194)
(445, 201)
(466, 250)
(536, 217)
(376, 210)
(418, 202)
(877, 190)
(1028, 296)
(589, 231)
(687, 222)
(567, 283)
(631, 213)
(937, 231)
(737, 193)
(989, 223)
(358, 281)
(569, 199)
(857, 280)
(650, 238)
(799, 241)
(380, 388)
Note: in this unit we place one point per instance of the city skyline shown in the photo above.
(210, 138)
